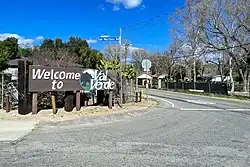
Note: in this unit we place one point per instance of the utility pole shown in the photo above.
(194, 73)
(125, 69)
(120, 43)
(2, 94)
(126, 53)
(147, 78)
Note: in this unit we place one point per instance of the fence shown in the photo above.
(8, 87)
(207, 87)
(129, 89)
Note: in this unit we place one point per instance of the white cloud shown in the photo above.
(7, 35)
(128, 4)
(22, 42)
(40, 38)
(90, 41)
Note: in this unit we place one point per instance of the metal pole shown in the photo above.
(147, 78)
(2, 100)
(194, 73)
(120, 43)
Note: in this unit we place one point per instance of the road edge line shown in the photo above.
(169, 102)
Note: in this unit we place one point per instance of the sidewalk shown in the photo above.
(12, 130)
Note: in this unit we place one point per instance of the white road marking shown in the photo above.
(200, 109)
(199, 102)
(172, 104)
(238, 109)
(213, 109)
(169, 102)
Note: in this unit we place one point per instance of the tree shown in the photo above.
(138, 56)
(188, 35)
(130, 72)
(60, 58)
(113, 52)
(47, 44)
(216, 26)
(24, 52)
(58, 43)
(8, 50)
(75, 44)
(222, 32)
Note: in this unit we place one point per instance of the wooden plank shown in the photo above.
(34, 103)
(110, 99)
(78, 101)
(21, 87)
(53, 100)
(7, 103)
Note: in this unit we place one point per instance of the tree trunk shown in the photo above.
(231, 76)
(189, 72)
(181, 75)
(244, 76)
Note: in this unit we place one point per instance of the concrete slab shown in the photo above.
(12, 130)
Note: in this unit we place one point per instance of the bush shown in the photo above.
(69, 103)
(44, 100)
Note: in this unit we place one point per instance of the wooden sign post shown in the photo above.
(53, 101)
(110, 99)
(78, 101)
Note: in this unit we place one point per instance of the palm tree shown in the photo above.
(130, 72)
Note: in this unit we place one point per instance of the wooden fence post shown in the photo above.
(24, 97)
(53, 101)
(34, 103)
(78, 101)
(110, 99)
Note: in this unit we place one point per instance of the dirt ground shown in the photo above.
(47, 115)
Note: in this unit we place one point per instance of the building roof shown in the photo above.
(162, 76)
(144, 76)
(14, 62)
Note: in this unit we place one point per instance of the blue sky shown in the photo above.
(33, 20)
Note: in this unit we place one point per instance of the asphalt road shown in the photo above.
(183, 131)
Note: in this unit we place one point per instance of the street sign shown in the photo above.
(108, 38)
(146, 64)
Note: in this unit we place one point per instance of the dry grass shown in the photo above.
(47, 115)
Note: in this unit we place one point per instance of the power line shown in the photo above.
(158, 16)
(144, 22)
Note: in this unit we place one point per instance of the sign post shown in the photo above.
(116, 39)
(146, 64)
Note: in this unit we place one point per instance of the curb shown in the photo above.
(219, 98)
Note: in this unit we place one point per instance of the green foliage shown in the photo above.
(114, 65)
(24, 52)
(76, 44)
(109, 65)
(48, 44)
(8, 50)
(75, 51)
(130, 72)
(58, 43)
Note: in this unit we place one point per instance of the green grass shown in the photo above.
(238, 97)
